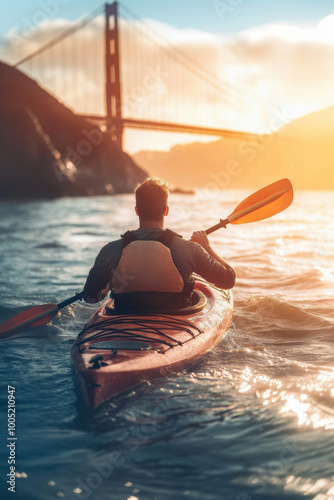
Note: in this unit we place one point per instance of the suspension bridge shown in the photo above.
(114, 70)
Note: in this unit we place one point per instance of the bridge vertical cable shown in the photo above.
(71, 65)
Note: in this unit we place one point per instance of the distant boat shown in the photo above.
(180, 190)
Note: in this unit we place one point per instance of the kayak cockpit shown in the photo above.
(198, 302)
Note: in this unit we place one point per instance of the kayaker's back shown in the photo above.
(187, 256)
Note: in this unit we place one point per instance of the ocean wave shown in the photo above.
(272, 315)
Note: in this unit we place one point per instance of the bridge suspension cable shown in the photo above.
(65, 34)
(230, 94)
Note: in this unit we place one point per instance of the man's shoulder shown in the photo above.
(181, 239)
(111, 247)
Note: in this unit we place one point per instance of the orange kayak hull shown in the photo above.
(109, 360)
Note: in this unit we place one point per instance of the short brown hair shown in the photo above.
(152, 199)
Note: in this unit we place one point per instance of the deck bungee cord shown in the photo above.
(151, 330)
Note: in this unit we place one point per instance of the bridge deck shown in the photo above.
(176, 127)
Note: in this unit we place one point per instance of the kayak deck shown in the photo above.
(115, 352)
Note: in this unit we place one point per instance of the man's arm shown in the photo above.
(215, 269)
(100, 296)
(97, 283)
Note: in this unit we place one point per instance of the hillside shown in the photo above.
(302, 150)
(48, 151)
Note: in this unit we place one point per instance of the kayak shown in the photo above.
(116, 351)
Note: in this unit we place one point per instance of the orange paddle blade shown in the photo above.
(35, 316)
(265, 203)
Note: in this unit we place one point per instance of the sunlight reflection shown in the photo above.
(327, 273)
(280, 250)
(322, 488)
(299, 397)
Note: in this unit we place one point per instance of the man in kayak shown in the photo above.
(152, 267)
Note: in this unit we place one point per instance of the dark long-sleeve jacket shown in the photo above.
(188, 257)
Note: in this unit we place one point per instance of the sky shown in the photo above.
(274, 57)
(225, 16)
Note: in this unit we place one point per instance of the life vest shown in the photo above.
(146, 276)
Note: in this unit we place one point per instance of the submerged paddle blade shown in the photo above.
(35, 316)
(265, 203)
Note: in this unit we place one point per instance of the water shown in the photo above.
(253, 420)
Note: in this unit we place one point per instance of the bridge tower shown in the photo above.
(114, 125)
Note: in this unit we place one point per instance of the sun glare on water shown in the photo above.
(297, 397)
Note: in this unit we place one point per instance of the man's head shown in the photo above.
(152, 200)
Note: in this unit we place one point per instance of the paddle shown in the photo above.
(35, 316)
(265, 203)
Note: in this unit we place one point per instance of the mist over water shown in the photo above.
(253, 420)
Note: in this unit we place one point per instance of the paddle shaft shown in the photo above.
(77, 296)
(222, 223)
